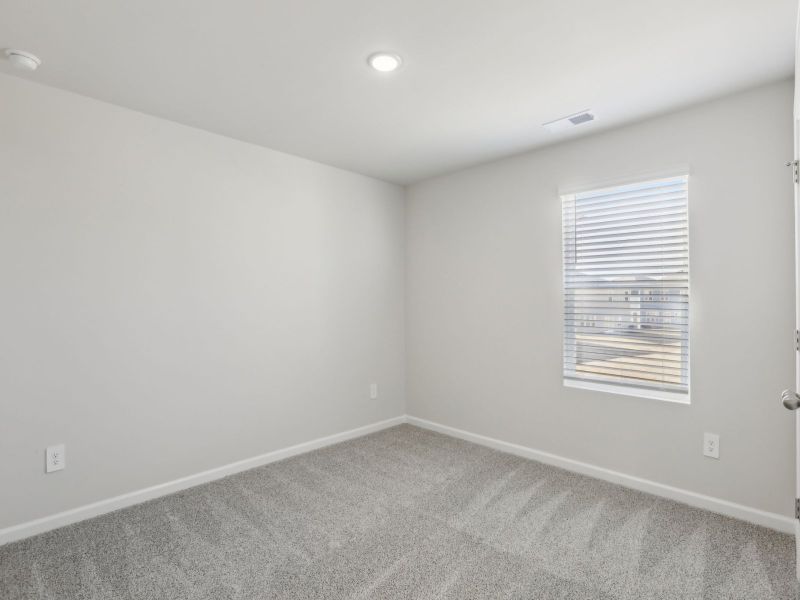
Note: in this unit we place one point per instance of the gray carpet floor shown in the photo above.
(404, 513)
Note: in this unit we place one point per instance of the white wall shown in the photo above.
(484, 302)
(173, 300)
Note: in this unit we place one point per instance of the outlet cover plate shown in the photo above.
(56, 459)
(711, 445)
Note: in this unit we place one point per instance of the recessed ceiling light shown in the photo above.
(20, 59)
(385, 62)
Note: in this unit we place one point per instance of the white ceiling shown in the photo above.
(479, 79)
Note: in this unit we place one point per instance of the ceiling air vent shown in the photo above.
(570, 121)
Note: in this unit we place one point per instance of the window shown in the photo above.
(626, 289)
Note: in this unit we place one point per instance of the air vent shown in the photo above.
(581, 118)
(570, 121)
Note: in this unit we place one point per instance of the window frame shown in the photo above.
(618, 388)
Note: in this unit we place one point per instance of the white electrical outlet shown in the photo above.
(56, 458)
(711, 445)
(373, 391)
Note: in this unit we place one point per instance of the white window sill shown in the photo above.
(624, 390)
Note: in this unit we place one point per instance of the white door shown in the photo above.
(795, 165)
(791, 399)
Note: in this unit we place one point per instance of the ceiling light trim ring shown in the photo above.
(385, 54)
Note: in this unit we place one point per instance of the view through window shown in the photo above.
(626, 289)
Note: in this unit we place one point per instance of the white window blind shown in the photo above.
(626, 288)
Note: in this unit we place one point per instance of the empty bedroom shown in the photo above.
(399, 300)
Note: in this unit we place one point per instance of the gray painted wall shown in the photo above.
(173, 300)
(484, 304)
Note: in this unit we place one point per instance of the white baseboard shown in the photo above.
(37, 526)
(717, 505)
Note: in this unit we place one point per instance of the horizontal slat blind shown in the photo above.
(626, 285)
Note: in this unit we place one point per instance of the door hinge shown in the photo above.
(797, 340)
(797, 508)
(795, 164)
